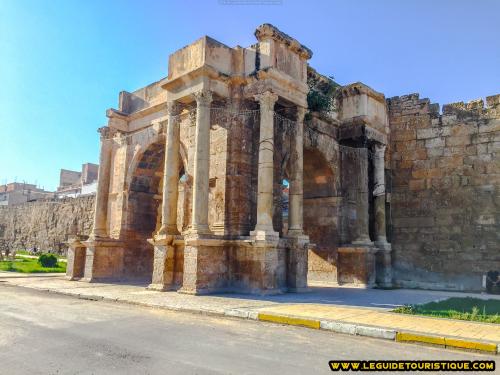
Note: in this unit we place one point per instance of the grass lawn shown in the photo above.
(466, 308)
(26, 265)
(26, 252)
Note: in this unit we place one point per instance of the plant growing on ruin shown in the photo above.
(322, 93)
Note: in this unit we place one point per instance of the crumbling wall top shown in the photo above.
(266, 31)
(358, 88)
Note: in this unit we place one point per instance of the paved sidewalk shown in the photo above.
(347, 310)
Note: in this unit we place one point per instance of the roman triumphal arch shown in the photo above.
(191, 169)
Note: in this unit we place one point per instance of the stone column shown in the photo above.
(384, 261)
(199, 219)
(171, 172)
(99, 228)
(264, 225)
(362, 204)
(379, 193)
(296, 197)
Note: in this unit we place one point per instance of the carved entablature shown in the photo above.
(267, 30)
(359, 104)
(360, 132)
(277, 62)
(117, 119)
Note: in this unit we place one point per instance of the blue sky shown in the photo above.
(63, 62)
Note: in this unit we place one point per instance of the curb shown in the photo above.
(326, 325)
(448, 342)
(381, 333)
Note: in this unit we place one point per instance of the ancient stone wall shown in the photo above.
(46, 224)
(445, 200)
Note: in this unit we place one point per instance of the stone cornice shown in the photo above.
(268, 31)
(360, 130)
(114, 113)
(359, 88)
(205, 70)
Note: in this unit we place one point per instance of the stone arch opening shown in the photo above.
(321, 206)
(144, 210)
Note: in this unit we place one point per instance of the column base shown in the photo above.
(168, 230)
(199, 230)
(363, 242)
(264, 235)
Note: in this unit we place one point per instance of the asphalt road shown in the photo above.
(44, 333)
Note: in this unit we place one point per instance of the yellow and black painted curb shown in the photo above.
(448, 342)
(383, 333)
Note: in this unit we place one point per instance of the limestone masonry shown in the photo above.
(246, 170)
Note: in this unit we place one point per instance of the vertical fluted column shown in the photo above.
(362, 207)
(266, 164)
(296, 197)
(199, 219)
(379, 192)
(101, 202)
(171, 172)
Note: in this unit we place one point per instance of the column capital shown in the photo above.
(105, 132)
(267, 99)
(173, 108)
(379, 150)
(203, 98)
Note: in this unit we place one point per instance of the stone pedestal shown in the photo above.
(356, 266)
(384, 266)
(297, 263)
(205, 265)
(76, 258)
(163, 263)
(104, 259)
(270, 274)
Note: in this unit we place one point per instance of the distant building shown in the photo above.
(19, 192)
(73, 184)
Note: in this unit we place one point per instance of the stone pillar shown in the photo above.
(264, 225)
(199, 219)
(163, 242)
(384, 266)
(362, 204)
(296, 197)
(100, 224)
(171, 172)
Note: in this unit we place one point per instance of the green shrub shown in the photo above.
(47, 260)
